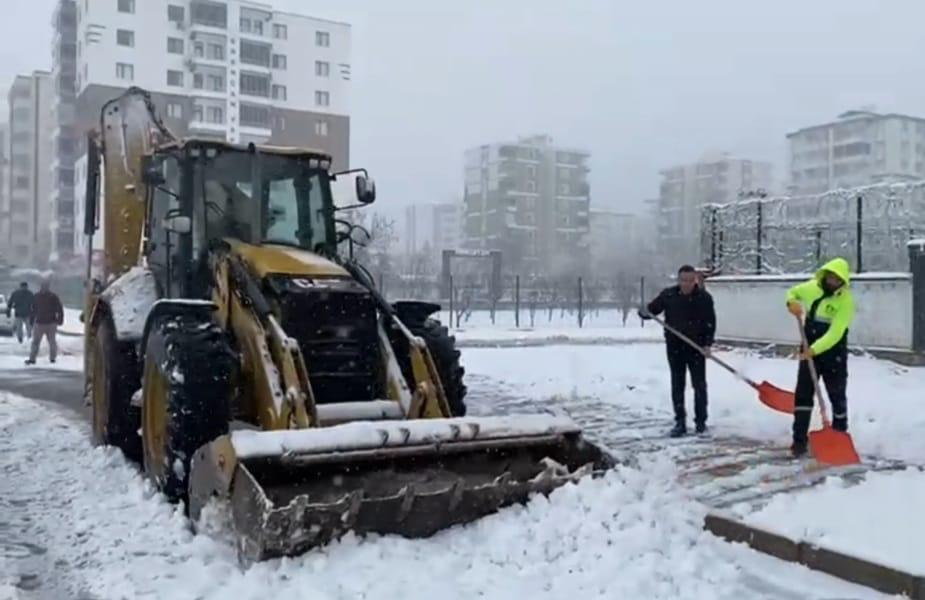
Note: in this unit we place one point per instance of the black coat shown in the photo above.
(691, 314)
(21, 302)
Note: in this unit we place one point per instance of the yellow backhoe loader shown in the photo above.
(235, 355)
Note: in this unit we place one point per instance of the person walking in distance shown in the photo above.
(48, 314)
(21, 303)
(689, 309)
(829, 313)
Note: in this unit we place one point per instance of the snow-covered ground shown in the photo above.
(597, 326)
(81, 523)
(884, 399)
(878, 519)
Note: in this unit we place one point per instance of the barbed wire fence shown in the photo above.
(869, 226)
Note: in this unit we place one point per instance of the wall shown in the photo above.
(751, 308)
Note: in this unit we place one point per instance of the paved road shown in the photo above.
(61, 387)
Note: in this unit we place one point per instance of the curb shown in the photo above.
(844, 566)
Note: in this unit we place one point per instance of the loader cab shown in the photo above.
(201, 191)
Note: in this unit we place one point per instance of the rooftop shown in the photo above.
(857, 115)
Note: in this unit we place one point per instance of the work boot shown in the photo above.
(29, 361)
(679, 430)
(701, 428)
(798, 449)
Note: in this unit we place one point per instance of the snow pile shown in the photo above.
(878, 519)
(131, 297)
(631, 534)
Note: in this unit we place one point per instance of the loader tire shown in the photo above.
(443, 349)
(186, 402)
(116, 377)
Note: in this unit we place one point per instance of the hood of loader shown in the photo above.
(274, 259)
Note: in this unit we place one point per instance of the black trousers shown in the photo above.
(681, 359)
(833, 369)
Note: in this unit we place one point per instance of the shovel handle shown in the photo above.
(697, 347)
(812, 372)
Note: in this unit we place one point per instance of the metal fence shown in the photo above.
(869, 226)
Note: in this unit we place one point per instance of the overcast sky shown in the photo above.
(641, 85)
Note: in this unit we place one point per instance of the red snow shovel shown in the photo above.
(769, 394)
(828, 445)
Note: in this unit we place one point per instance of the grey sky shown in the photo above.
(641, 85)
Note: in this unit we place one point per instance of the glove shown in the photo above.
(807, 354)
(644, 314)
(795, 309)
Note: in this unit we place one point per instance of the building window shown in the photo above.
(21, 182)
(199, 49)
(216, 52)
(125, 37)
(215, 114)
(249, 25)
(564, 189)
(176, 14)
(253, 84)
(125, 72)
(321, 127)
(280, 32)
(531, 187)
(255, 116)
(279, 62)
(126, 6)
(322, 38)
(175, 78)
(175, 45)
(197, 113)
(253, 53)
(322, 69)
(216, 83)
(322, 99)
(280, 93)
(175, 110)
(209, 14)
(198, 81)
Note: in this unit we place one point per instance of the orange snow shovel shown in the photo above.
(769, 394)
(828, 445)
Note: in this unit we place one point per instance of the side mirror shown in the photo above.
(178, 224)
(366, 189)
(152, 170)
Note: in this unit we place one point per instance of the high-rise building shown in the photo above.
(31, 98)
(615, 238)
(714, 179)
(231, 69)
(4, 192)
(861, 147)
(65, 134)
(447, 226)
(530, 200)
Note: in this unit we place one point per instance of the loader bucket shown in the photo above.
(291, 491)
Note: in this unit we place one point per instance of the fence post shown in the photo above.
(916, 250)
(818, 247)
(713, 238)
(517, 301)
(452, 296)
(642, 297)
(859, 233)
(580, 304)
(758, 241)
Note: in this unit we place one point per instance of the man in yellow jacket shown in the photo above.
(829, 309)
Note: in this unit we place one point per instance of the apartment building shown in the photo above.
(530, 200)
(447, 226)
(4, 192)
(615, 238)
(716, 178)
(66, 137)
(230, 69)
(30, 99)
(861, 147)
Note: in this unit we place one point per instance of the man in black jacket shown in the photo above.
(689, 309)
(20, 303)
